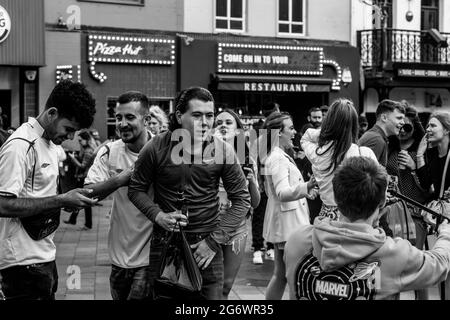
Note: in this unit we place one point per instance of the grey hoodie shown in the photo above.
(338, 261)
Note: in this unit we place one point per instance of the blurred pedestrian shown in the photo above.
(158, 120)
(328, 146)
(82, 162)
(286, 207)
(130, 231)
(28, 186)
(160, 165)
(94, 133)
(315, 117)
(229, 127)
(363, 125)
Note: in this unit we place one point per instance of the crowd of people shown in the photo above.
(318, 199)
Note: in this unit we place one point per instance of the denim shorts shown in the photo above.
(130, 284)
(37, 281)
(212, 276)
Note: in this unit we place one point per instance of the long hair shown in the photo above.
(182, 103)
(86, 135)
(340, 127)
(239, 137)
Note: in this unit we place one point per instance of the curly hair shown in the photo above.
(73, 101)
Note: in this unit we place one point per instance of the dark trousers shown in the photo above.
(212, 276)
(258, 224)
(31, 282)
(87, 217)
(130, 284)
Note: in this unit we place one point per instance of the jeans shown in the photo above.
(212, 276)
(130, 284)
(31, 282)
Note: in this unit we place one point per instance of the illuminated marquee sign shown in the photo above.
(424, 73)
(270, 59)
(131, 50)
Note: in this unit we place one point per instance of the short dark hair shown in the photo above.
(182, 102)
(324, 108)
(313, 109)
(73, 102)
(135, 96)
(359, 186)
(388, 106)
(270, 108)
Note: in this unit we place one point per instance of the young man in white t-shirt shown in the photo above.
(130, 230)
(29, 187)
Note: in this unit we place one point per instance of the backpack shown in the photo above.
(42, 225)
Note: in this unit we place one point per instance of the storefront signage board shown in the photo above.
(272, 87)
(5, 24)
(270, 59)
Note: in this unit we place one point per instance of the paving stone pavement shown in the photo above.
(88, 251)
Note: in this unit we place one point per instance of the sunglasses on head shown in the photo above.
(407, 128)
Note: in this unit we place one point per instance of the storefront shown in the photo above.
(110, 62)
(22, 53)
(246, 75)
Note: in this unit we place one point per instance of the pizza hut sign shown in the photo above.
(5, 24)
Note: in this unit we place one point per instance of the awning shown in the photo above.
(250, 83)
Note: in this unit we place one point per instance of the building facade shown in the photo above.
(405, 53)
(298, 53)
(251, 52)
(22, 48)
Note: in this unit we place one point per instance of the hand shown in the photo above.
(405, 159)
(313, 194)
(203, 255)
(423, 146)
(312, 183)
(171, 221)
(249, 174)
(78, 198)
(71, 155)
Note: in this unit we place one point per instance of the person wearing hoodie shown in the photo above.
(349, 259)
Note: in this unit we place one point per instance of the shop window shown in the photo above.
(111, 104)
(129, 2)
(230, 15)
(291, 17)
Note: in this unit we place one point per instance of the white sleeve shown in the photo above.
(309, 142)
(279, 169)
(99, 171)
(16, 164)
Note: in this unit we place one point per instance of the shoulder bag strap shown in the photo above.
(444, 174)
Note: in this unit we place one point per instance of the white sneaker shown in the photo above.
(270, 255)
(257, 257)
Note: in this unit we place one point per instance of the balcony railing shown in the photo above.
(396, 45)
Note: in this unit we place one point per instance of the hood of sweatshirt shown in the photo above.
(337, 244)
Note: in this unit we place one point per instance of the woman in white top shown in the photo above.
(328, 146)
(286, 190)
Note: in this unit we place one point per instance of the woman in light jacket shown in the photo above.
(328, 146)
(287, 208)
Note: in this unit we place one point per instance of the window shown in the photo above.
(111, 103)
(129, 2)
(230, 15)
(430, 14)
(291, 17)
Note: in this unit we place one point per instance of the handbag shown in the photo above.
(442, 205)
(400, 221)
(179, 276)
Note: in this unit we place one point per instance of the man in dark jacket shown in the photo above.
(192, 168)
